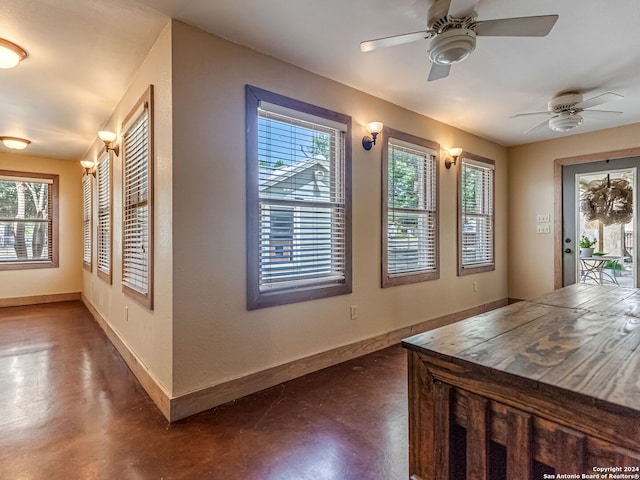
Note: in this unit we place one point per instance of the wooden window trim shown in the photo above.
(53, 208)
(106, 276)
(407, 278)
(470, 270)
(145, 100)
(256, 298)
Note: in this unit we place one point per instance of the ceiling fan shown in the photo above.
(453, 28)
(568, 110)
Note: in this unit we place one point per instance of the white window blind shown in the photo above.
(301, 182)
(477, 213)
(411, 209)
(136, 221)
(104, 216)
(26, 220)
(86, 221)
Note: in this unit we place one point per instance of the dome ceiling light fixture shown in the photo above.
(15, 143)
(10, 54)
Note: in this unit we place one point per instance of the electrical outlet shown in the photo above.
(126, 314)
(543, 218)
(475, 287)
(543, 228)
(354, 312)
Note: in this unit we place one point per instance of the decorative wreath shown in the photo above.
(608, 200)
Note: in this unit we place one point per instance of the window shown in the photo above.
(104, 217)
(298, 201)
(137, 201)
(476, 217)
(87, 207)
(28, 220)
(409, 212)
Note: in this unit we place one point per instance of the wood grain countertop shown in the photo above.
(581, 341)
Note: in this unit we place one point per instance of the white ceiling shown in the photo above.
(60, 101)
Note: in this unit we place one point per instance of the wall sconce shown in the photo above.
(15, 143)
(374, 128)
(10, 54)
(89, 167)
(455, 153)
(108, 138)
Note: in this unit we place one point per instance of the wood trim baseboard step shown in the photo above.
(195, 402)
(38, 299)
(183, 406)
(157, 393)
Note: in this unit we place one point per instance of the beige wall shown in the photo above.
(215, 337)
(531, 192)
(148, 334)
(67, 278)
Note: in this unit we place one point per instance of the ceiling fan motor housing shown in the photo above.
(452, 46)
(564, 102)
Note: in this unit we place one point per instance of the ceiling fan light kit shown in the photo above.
(565, 121)
(452, 46)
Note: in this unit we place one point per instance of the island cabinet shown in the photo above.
(540, 389)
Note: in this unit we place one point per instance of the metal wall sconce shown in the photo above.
(89, 167)
(455, 153)
(374, 128)
(108, 138)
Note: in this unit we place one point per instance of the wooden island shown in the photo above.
(540, 389)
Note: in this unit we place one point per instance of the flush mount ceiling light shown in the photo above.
(15, 143)
(10, 54)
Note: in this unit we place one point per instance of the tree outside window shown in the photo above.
(26, 226)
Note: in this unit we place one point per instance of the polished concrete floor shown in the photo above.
(70, 409)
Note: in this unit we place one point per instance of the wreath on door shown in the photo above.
(608, 200)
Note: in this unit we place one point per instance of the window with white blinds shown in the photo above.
(476, 227)
(28, 220)
(410, 214)
(86, 222)
(137, 201)
(299, 209)
(104, 217)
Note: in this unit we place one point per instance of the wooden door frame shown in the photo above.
(558, 163)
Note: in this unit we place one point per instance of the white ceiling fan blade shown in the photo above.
(394, 40)
(530, 114)
(599, 100)
(537, 126)
(517, 27)
(600, 114)
(462, 8)
(438, 71)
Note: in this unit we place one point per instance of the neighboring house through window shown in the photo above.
(476, 239)
(137, 192)
(409, 210)
(298, 200)
(28, 220)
